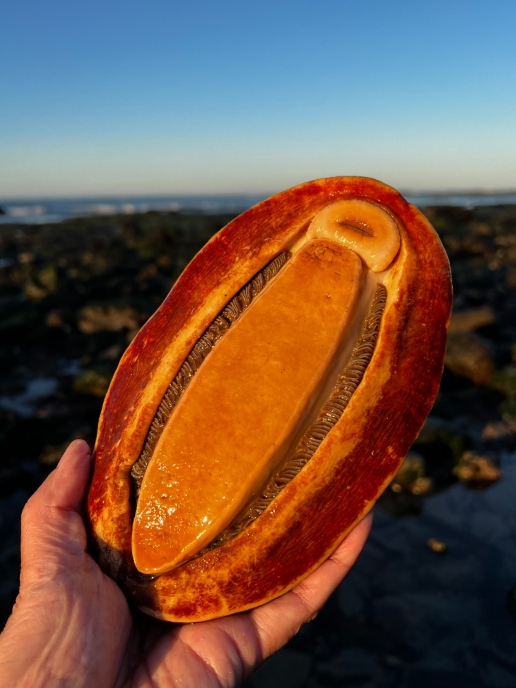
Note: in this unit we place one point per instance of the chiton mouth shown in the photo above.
(262, 387)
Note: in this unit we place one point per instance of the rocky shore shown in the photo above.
(73, 295)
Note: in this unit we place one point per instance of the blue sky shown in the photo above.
(233, 97)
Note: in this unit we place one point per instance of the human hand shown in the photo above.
(72, 626)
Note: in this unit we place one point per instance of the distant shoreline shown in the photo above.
(52, 210)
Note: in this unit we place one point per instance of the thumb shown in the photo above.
(53, 533)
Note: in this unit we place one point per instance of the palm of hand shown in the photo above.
(72, 625)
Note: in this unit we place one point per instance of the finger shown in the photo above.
(53, 534)
(65, 486)
(279, 620)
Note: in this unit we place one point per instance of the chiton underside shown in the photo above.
(258, 415)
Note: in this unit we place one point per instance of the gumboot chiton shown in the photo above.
(259, 414)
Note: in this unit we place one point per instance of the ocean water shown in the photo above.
(42, 211)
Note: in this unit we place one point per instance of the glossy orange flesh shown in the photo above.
(241, 411)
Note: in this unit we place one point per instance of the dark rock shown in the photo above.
(510, 278)
(510, 601)
(468, 356)
(468, 320)
(401, 504)
(443, 437)
(404, 496)
(94, 382)
(112, 353)
(437, 546)
(500, 435)
(287, 670)
(508, 409)
(110, 316)
(43, 283)
(477, 472)
(505, 382)
(21, 319)
(10, 510)
(54, 318)
(26, 257)
(411, 476)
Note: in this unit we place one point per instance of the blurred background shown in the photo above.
(131, 132)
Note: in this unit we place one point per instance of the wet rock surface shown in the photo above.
(72, 296)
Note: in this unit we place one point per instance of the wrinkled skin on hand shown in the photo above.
(72, 626)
